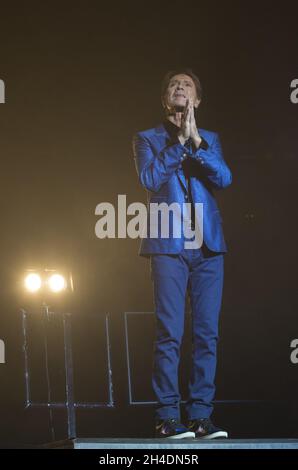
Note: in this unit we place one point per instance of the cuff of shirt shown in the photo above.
(200, 151)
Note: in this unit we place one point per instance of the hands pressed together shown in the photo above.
(188, 126)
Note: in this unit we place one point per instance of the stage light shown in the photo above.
(56, 283)
(47, 283)
(33, 282)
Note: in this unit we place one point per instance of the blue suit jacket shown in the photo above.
(159, 162)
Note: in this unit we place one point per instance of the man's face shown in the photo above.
(181, 87)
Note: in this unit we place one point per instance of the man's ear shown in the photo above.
(163, 103)
(197, 103)
(165, 106)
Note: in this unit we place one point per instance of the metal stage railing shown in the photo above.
(70, 404)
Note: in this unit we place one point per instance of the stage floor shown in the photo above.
(93, 443)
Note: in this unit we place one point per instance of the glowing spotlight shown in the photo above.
(33, 282)
(56, 283)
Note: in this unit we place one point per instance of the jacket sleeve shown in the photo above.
(213, 164)
(155, 170)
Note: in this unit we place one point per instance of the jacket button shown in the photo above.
(186, 197)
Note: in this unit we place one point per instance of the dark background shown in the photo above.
(80, 79)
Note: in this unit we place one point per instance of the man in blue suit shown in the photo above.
(179, 163)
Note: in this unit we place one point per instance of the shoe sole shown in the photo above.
(184, 435)
(215, 435)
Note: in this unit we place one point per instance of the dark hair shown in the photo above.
(166, 80)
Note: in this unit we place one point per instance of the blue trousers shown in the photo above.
(198, 272)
